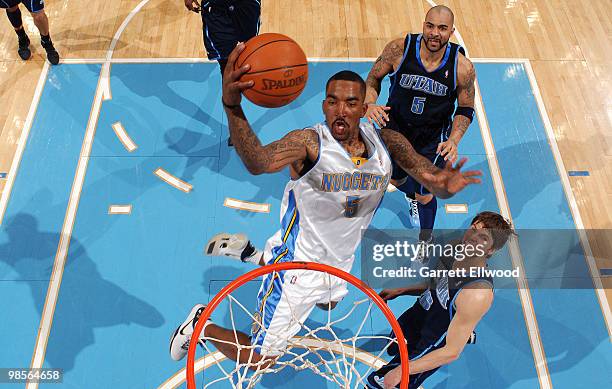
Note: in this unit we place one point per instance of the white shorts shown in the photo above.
(284, 302)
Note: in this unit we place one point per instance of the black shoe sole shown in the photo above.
(24, 49)
(24, 54)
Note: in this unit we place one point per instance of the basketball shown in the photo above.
(279, 69)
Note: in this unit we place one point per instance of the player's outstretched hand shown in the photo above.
(448, 181)
(389, 294)
(232, 86)
(377, 114)
(393, 378)
(448, 150)
(192, 5)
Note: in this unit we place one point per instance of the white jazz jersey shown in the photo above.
(324, 213)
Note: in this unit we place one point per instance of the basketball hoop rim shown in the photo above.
(243, 279)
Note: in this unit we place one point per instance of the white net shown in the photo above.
(329, 348)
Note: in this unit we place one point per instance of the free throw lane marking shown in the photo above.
(174, 181)
(124, 138)
(120, 209)
(246, 205)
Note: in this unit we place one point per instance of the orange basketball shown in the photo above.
(279, 69)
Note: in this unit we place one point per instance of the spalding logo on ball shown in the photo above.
(279, 69)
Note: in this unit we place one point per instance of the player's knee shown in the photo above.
(39, 16)
(424, 199)
(327, 306)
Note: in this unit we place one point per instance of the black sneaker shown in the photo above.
(24, 48)
(52, 54)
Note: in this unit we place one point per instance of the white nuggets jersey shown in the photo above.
(324, 212)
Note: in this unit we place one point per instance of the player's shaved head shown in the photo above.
(438, 28)
(441, 10)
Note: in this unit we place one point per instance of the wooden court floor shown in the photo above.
(567, 42)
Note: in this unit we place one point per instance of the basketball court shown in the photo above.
(116, 173)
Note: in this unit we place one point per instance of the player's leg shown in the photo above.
(233, 344)
(333, 290)
(13, 14)
(285, 301)
(246, 16)
(36, 8)
(411, 323)
(220, 35)
(423, 205)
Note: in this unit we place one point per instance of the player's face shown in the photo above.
(479, 237)
(437, 30)
(343, 108)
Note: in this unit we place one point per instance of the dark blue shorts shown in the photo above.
(420, 341)
(32, 5)
(227, 22)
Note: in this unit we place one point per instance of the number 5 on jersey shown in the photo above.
(418, 104)
(351, 206)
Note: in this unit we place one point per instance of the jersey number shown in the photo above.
(418, 104)
(351, 205)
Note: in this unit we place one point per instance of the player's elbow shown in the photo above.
(254, 166)
(451, 354)
(256, 169)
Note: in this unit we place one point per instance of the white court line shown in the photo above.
(77, 61)
(246, 205)
(23, 139)
(124, 138)
(173, 181)
(571, 200)
(120, 209)
(105, 73)
(46, 320)
(62, 251)
(515, 254)
(499, 60)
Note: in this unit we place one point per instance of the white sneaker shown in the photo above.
(179, 343)
(228, 245)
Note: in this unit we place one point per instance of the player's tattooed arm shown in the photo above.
(466, 75)
(442, 183)
(405, 155)
(384, 64)
(293, 148)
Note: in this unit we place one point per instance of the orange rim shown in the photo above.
(403, 351)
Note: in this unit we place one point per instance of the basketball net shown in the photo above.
(321, 349)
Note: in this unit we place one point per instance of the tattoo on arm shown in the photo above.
(406, 157)
(382, 66)
(273, 157)
(465, 98)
